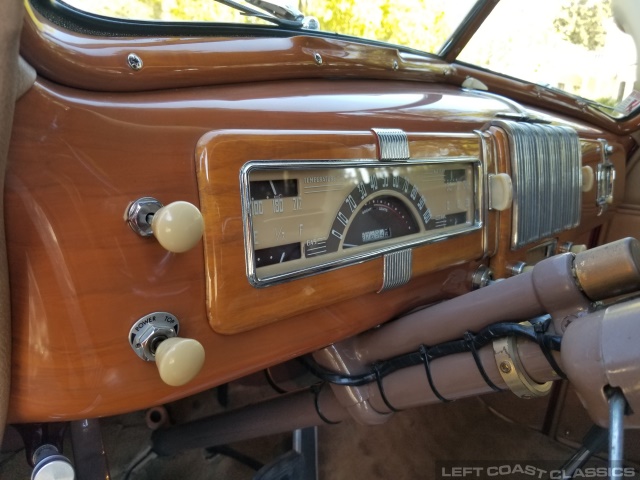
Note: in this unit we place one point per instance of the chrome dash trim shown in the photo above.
(397, 269)
(393, 144)
(546, 163)
(605, 178)
(487, 166)
(476, 224)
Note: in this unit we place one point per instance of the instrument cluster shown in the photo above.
(306, 217)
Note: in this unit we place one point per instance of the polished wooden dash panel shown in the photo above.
(233, 304)
(80, 277)
(80, 153)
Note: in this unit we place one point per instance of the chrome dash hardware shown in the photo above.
(140, 213)
(397, 269)
(147, 333)
(546, 167)
(605, 178)
(393, 144)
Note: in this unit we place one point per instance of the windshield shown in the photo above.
(418, 24)
(571, 45)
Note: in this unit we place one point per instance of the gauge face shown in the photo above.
(380, 219)
(306, 217)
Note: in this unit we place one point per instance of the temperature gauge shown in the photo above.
(266, 189)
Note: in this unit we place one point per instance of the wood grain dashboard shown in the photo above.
(234, 305)
(80, 277)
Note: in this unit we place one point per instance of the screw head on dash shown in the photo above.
(134, 61)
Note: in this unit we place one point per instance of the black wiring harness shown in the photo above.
(471, 342)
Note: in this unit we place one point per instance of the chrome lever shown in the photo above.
(617, 407)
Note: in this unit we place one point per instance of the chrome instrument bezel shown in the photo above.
(247, 168)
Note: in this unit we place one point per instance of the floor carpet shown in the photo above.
(431, 442)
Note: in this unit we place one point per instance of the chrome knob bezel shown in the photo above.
(149, 331)
(140, 213)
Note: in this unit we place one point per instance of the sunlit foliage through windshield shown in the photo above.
(420, 24)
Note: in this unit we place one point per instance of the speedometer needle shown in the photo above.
(282, 258)
(273, 187)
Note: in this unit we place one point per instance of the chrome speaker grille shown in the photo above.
(546, 164)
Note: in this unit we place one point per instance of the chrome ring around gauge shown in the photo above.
(302, 218)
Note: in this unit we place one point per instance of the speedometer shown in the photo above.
(306, 217)
(381, 218)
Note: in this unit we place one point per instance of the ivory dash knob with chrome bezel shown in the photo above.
(154, 338)
(178, 226)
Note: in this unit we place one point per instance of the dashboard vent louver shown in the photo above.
(546, 173)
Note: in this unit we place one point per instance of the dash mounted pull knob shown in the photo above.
(500, 192)
(178, 227)
(179, 360)
(154, 338)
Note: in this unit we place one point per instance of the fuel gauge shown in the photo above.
(278, 254)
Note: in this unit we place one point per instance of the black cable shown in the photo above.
(541, 325)
(337, 378)
(553, 342)
(381, 388)
(469, 338)
(315, 389)
(272, 382)
(482, 338)
(424, 354)
(386, 367)
(469, 343)
(544, 341)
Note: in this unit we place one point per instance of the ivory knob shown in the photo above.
(578, 248)
(178, 227)
(588, 178)
(500, 192)
(179, 360)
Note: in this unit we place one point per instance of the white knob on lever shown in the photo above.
(178, 227)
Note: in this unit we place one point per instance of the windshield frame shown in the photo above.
(81, 21)
(466, 29)
(98, 26)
